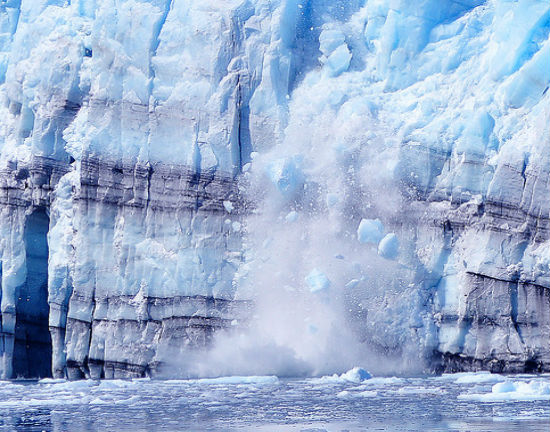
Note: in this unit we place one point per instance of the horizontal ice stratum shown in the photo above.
(168, 164)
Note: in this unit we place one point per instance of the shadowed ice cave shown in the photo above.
(32, 351)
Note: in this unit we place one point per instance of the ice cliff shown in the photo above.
(165, 163)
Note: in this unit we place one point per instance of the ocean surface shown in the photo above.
(458, 402)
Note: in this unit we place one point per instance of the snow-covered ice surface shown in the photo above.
(269, 403)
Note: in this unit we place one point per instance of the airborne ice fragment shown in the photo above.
(336, 54)
(317, 281)
(332, 199)
(286, 175)
(313, 329)
(389, 246)
(356, 375)
(291, 216)
(352, 283)
(339, 60)
(228, 205)
(329, 40)
(370, 231)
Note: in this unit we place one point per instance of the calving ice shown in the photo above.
(190, 186)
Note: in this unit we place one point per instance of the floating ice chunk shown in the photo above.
(368, 393)
(268, 379)
(347, 394)
(116, 384)
(317, 281)
(389, 246)
(417, 390)
(370, 231)
(356, 375)
(292, 216)
(381, 381)
(513, 390)
(343, 394)
(504, 387)
(228, 205)
(73, 385)
(534, 387)
(479, 378)
(52, 381)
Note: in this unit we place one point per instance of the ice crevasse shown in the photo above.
(152, 153)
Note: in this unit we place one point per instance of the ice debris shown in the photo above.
(370, 231)
(512, 390)
(317, 281)
(356, 375)
(389, 246)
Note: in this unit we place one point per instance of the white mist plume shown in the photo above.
(313, 284)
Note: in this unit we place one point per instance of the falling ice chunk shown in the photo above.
(332, 199)
(370, 231)
(317, 281)
(228, 205)
(339, 60)
(286, 175)
(291, 216)
(389, 246)
(352, 283)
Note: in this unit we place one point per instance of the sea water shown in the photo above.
(459, 402)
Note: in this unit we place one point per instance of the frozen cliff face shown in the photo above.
(430, 119)
(183, 158)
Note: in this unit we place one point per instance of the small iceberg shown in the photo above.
(356, 375)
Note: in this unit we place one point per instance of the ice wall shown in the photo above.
(426, 123)
(129, 121)
(371, 170)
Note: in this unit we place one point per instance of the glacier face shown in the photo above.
(385, 161)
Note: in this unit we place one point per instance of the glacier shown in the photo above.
(365, 172)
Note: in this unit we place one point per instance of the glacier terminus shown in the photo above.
(328, 182)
